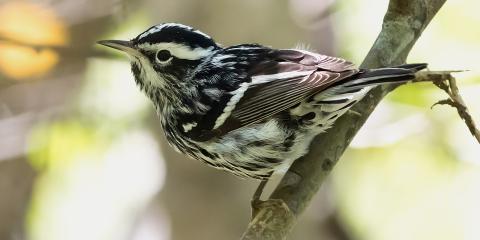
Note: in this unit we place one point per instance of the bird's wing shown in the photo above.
(284, 80)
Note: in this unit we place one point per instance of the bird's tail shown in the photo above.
(373, 77)
(415, 67)
(358, 85)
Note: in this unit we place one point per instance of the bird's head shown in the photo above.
(164, 55)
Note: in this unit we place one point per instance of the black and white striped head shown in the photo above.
(164, 55)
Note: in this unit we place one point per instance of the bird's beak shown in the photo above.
(125, 46)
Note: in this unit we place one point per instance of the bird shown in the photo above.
(248, 109)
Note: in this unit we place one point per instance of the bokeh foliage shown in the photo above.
(412, 173)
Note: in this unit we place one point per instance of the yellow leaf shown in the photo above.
(20, 62)
(28, 33)
(31, 24)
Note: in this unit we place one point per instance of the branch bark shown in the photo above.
(403, 23)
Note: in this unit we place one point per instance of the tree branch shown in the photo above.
(402, 25)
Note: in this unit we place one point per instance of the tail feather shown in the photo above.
(415, 67)
(397, 74)
(360, 84)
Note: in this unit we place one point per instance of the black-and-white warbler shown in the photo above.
(247, 109)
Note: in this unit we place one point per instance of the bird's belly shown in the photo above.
(260, 149)
(257, 150)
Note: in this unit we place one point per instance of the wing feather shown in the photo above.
(252, 109)
(281, 81)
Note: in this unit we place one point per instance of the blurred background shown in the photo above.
(82, 155)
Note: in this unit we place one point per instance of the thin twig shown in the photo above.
(448, 84)
(445, 81)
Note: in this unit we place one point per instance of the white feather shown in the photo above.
(237, 95)
(179, 50)
(188, 126)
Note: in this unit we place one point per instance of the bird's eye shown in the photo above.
(163, 56)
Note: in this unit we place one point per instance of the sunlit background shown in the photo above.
(82, 155)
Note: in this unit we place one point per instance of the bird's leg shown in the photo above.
(259, 191)
(257, 194)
